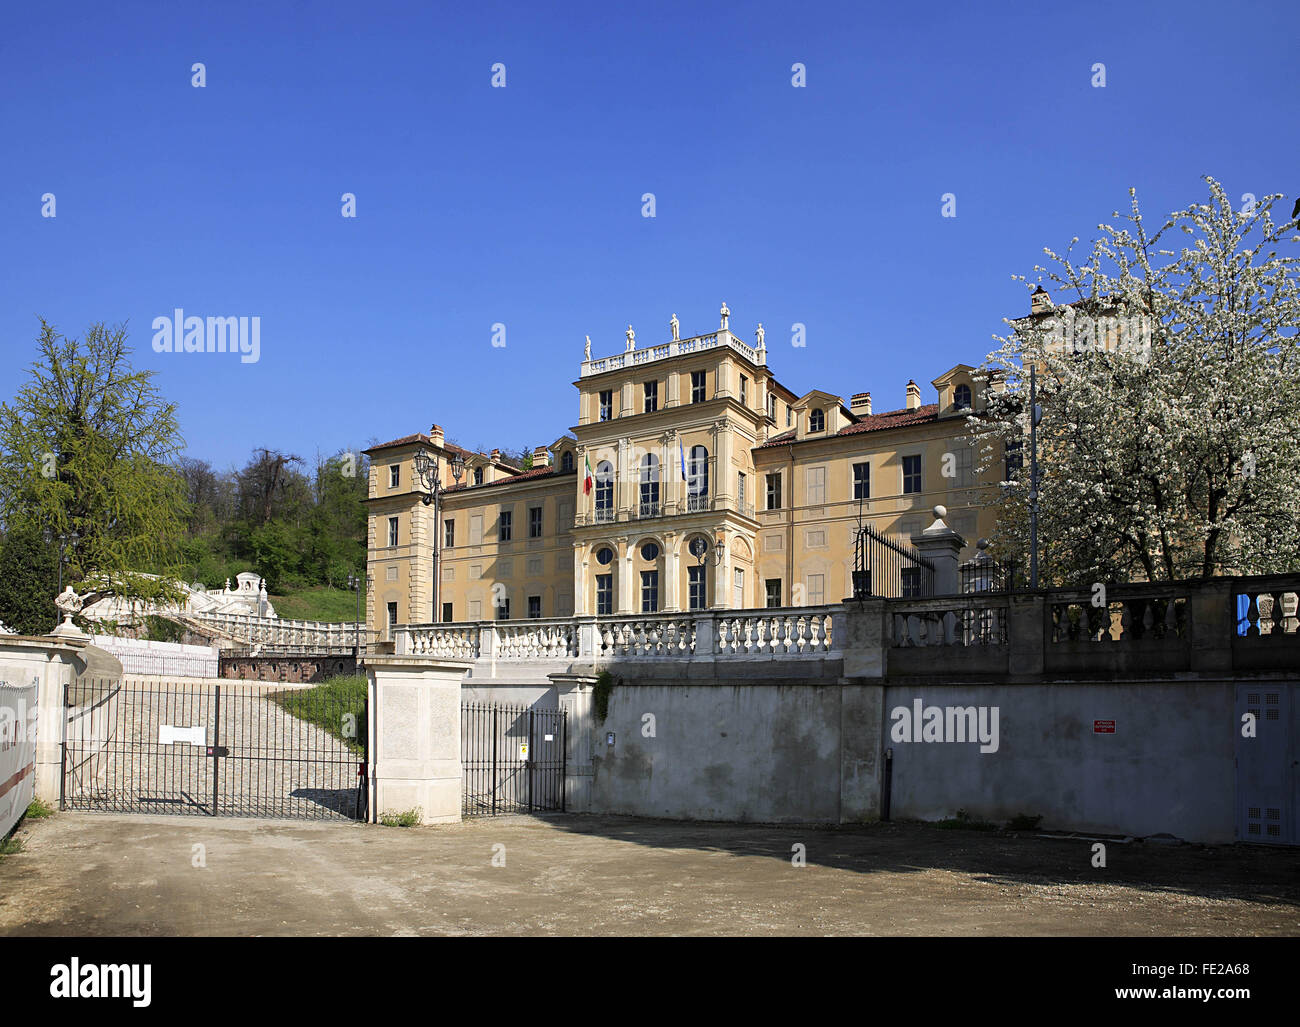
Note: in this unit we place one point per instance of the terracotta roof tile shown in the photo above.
(872, 422)
(533, 475)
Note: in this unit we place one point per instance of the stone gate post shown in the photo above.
(415, 758)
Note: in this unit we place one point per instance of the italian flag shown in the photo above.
(586, 482)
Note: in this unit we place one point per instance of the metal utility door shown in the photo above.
(1267, 770)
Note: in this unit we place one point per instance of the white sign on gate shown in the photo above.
(168, 735)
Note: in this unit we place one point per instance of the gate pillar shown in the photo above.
(414, 753)
(575, 698)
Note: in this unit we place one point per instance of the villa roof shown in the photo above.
(869, 423)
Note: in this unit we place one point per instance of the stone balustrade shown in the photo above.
(304, 634)
(698, 635)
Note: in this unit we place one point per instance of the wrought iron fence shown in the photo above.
(513, 759)
(889, 568)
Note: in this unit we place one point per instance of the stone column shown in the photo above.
(626, 557)
(575, 699)
(579, 579)
(672, 589)
(942, 546)
(415, 733)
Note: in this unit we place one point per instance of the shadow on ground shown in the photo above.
(1249, 873)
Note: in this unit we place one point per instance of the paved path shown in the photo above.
(105, 874)
(279, 765)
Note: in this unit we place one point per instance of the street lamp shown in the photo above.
(67, 544)
(706, 556)
(427, 469)
(358, 582)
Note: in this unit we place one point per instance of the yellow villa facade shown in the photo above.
(693, 479)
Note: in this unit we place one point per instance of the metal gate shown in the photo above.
(1268, 779)
(514, 759)
(240, 750)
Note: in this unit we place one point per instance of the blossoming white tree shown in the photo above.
(1170, 388)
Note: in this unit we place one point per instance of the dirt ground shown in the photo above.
(106, 874)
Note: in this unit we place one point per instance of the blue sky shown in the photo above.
(522, 206)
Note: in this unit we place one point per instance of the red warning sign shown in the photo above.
(1103, 727)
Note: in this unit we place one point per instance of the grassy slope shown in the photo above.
(320, 602)
(326, 704)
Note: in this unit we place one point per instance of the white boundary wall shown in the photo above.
(160, 659)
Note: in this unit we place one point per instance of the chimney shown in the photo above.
(496, 456)
(913, 395)
(860, 404)
(541, 457)
(1040, 302)
(436, 436)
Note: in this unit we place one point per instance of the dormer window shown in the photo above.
(817, 421)
(566, 461)
(961, 397)
(478, 476)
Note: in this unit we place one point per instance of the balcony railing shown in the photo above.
(698, 503)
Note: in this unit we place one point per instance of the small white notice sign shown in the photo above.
(169, 735)
(550, 738)
(523, 750)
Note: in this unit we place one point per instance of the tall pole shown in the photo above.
(437, 527)
(1033, 477)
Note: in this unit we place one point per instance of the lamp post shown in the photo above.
(358, 582)
(706, 556)
(67, 544)
(1035, 415)
(427, 471)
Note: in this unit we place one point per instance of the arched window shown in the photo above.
(817, 420)
(961, 397)
(566, 461)
(604, 491)
(649, 485)
(478, 476)
(697, 474)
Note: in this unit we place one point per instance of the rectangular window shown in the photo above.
(695, 587)
(394, 475)
(476, 529)
(773, 586)
(738, 598)
(649, 591)
(446, 613)
(740, 489)
(606, 405)
(771, 407)
(789, 417)
(651, 390)
(861, 481)
(534, 607)
(774, 491)
(476, 609)
(534, 522)
(697, 386)
(911, 474)
(392, 531)
(449, 533)
(504, 526)
(503, 608)
(816, 486)
(604, 595)
(744, 390)
(816, 589)
(392, 618)
(964, 477)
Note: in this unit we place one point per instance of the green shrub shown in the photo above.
(410, 818)
(600, 694)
